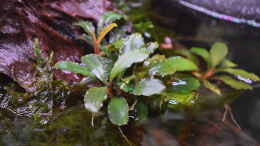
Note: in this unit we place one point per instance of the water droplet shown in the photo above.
(173, 101)
(179, 82)
(245, 80)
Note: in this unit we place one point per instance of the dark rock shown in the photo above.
(21, 21)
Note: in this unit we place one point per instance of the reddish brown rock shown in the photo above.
(21, 21)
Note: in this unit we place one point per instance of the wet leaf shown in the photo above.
(152, 61)
(88, 27)
(228, 64)
(97, 65)
(212, 87)
(94, 98)
(105, 31)
(130, 57)
(132, 42)
(148, 87)
(172, 65)
(108, 18)
(241, 73)
(239, 85)
(74, 68)
(201, 52)
(182, 98)
(118, 111)
(218, 53)
(185, 85)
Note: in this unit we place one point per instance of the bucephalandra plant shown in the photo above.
(222, 69)
(131, 68)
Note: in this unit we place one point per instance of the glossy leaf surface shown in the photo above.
(94, 98)
(148, 87)
(172, 65)
(97, 65)
(118, 111)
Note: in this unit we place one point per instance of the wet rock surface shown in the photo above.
(49, 21)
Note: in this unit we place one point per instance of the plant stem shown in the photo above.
(95, 44)
(208, 74)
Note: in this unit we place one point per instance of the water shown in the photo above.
(71, 125)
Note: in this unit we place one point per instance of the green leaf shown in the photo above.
(118, 111)
(144, 26)
(187, 54)
(88, 27)
(116, 45)
(228, 64)
(94, 98)
(202, 53)
(239, 85)
(142, 111)
(241, 73)
(148, 87)
(74, 68)
(185, 85)
(172, 65)
(182, 98)
(130, 57)
(126, 87)
(108, 18)
(132, 42)
(212, 87)
(152, 61)
(218, 53)
(97, 65)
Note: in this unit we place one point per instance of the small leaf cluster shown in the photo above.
(130, 68)
(219, 68)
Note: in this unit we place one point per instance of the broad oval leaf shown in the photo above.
(74, 68)
(241, 73)
(132, 42)
(212, 87)
(148, 87)
(201, 52)
(97, 65)
(118, 111)
(182, 98)
(218, 53)
(129, 58)
(172, 65)
(239, 85)
(94, 98)
(154, 60)
(185, 85)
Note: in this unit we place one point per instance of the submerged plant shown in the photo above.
(130, 69)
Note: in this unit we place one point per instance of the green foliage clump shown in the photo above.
(128, 69)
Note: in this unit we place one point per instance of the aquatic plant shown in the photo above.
(127, 70)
